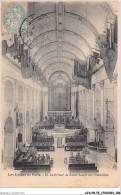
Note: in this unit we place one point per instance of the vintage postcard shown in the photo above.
(60, 94)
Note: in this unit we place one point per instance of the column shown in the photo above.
(30, 107)
(2, 120)
(38, 106)
(30, 113)
(102, 101)
(79, 104)
(15, 106)
(45, 101)
(116, 111)
(88, 109)
(24, 114)
(73, 101)
(93, 88)
(82, 105)
(35, 107)
(41, 105)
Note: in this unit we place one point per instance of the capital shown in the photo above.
(93, 87)
(115, 78)
(16, 83)
(45, 89)
(101, 84)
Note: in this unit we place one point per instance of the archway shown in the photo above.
(8, 142)
(59, 97)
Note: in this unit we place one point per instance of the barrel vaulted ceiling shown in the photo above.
(59, 32)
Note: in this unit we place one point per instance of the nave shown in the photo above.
(60, 88)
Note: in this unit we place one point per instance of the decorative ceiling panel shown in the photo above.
(58, 67)
(56, 60)
(46, 56)
(78, 41)
(62, 31)
(41, 7)
(79, 26)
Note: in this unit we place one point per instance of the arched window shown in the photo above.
(8, 125)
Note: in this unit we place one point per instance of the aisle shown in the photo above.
(58, 155)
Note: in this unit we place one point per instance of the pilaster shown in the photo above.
(102, 101)
(93, 88)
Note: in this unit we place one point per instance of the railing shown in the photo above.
(102, 149)
(95, 147)
(91, 147)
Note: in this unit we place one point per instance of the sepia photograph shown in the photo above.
(60, 94)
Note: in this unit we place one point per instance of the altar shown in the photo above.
(59, 117)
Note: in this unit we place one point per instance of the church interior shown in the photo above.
(60, 88)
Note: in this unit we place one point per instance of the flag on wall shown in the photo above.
(15, 42)
(115, 30)
(24, 58)
(85, 82)
(13, 49)
(108, 55)
(90, 63)
(75, 67)
(81, 74)
(110, 63)
(20, 51)
(35, 73)
(4, 47)
(111, 35)
(25, 65)
(80, 68)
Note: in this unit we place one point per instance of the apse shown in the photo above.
(59, 92)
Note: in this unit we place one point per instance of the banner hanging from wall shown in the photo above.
(81, 74)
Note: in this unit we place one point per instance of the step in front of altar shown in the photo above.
(90, 166)
(59, 126)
